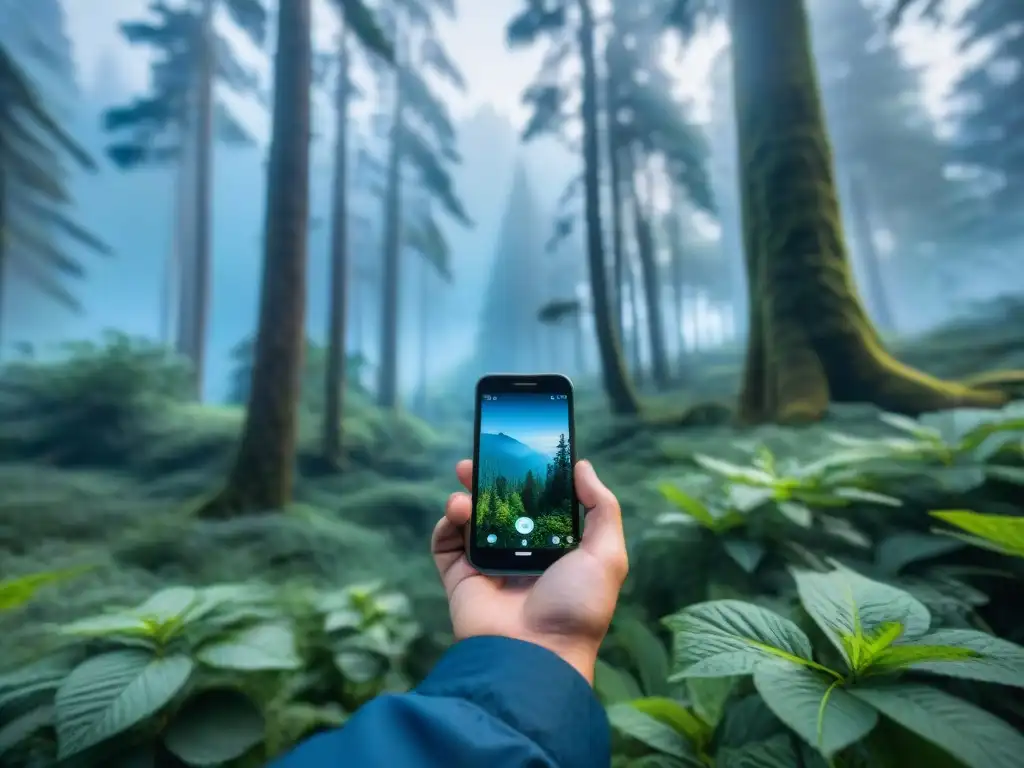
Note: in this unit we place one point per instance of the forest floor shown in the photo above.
(130, 514)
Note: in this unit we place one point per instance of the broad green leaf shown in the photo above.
(672, 713)
(845, 604)
(343, 618)
(869, 497)
(1005, 531)
(20, 729)
(969, 733)
(360, 666)
(261, 647)
(774, 753)
(993, 660)
(825, 716)
(745, 553)
(647, 652)
(798, 514)
(911, 427)
(1013, 475)
(613, 685)
(109, 694)
(747, 498)
(844, 530)
(747, 721)
(910, 656)
(734, 472)
(730, 637)
(214, 727)
(897, 552)
(111, 624)
(691, 506)
(708, 696)
(168, 604)
(629, 721)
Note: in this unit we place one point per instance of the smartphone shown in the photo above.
(525, 510)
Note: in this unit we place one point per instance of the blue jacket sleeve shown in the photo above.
(490, 702)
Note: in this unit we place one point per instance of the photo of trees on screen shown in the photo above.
(516, 481)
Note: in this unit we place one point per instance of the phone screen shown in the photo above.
(524, 498)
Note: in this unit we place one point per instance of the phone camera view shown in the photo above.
(524, 481)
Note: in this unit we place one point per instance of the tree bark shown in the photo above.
(203, 196)
(811, 342)
(387, 390)
(615, 181)
(617, 386)
(263, 473)
(878, 298)
(3, 240)
(651, 287)
(334, 379)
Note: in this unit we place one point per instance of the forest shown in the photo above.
(545, 497)
(255, 254)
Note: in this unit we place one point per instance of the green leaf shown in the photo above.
(911, 427)
(214, 727)
(845, 604)
(613, 685)
(675, 715)
(977, 738)
(897, 552)
(691, 506)
(110, 624)
(631, 722)
(709, 695)
(1014, 475)
(745, 553)
(798, 514)
(268, 646)
(796, 696)
(909, 656)
(747, 721)
(869, 497)
(730, 637)
(360, 666)
(17, 591)
(106, 695)
(734, 472)
(1005, 531)
(747, 498)
(991, 659)
(18, 730)
(647, 652)
(168, 604)
(774, 753)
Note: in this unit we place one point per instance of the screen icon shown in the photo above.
(524, 525)
(552, 397)
(491, 538)
(568, 539)
(524, 542)
(555, 540)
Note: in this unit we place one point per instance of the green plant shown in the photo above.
(834, 699)
(210, 675)
(91, 405)
(1001, 533)
(17, 591)
(952, 449)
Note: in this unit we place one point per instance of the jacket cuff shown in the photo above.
(531, 690)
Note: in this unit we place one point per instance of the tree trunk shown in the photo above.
(425, 305)
(203, 195)
(676, 260)
(636, 342)
(878, 298)
(262, 476)
(334, 380)
(185, 229)
(3, 241)
(616, 383)
(387, 390)
(811, 341)
(652, 286)
(615, 181)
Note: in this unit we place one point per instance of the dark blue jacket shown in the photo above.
(490, 702)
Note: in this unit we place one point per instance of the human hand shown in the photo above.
(568, 608)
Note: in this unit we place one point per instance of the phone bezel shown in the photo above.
(506, 561)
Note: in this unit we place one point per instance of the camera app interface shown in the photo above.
(524, 481)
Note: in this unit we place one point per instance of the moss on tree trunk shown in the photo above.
(262, 477)
(810, 341)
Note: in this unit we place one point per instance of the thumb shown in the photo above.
(603, 537)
